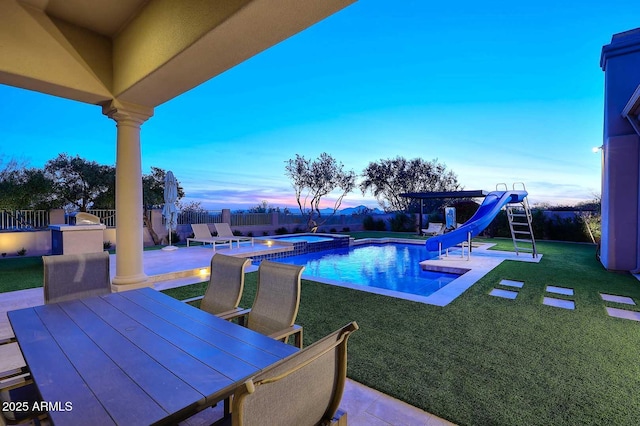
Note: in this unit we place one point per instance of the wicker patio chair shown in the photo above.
(75, 276)
(18, 393)
(226, 284)
(275, 307)
(303, 389)
(11, 361)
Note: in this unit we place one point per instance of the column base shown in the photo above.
(119, 284)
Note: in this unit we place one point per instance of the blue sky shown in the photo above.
(499, 91)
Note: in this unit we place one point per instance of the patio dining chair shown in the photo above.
(302, 389)
(18, 399)
(277, 300)
(16, 386)
(226, 283)
(75, 276)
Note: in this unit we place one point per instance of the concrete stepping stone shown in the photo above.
(559, 303)
(617, 299)
(507, 294)
(624, 314)
(512, 283)
(560, 290)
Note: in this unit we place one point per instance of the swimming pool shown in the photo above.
(390, 269)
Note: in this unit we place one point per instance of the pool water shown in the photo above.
(392, 267)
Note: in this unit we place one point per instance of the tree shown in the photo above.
(388, 178)
(314, 179)
(78, 182)
(264, 207)
(22, 187)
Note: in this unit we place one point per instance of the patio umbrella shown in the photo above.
(169, 211)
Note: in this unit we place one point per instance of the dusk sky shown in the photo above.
(499, 91)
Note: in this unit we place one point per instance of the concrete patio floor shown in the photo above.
(168, 269)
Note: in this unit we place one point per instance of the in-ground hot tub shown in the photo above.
(308, 238)
(303, 243)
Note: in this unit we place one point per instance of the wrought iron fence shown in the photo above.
(205, 216)
(296, 219)
(20, 220)
(251, 219)
(107, 216)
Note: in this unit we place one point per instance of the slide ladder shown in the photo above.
(520, 219)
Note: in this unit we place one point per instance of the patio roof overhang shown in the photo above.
(472, 193)
(143, 52)
(129, 56)
(447, 194)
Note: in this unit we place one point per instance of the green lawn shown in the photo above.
(19, 273)
(484, 360)
(481, 360)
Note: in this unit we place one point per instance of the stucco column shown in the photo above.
(129, 224)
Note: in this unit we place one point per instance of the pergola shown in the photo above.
(129, 56)
(470, 193)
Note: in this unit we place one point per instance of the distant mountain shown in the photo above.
(353, 210)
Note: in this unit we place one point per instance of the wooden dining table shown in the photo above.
(137, 357)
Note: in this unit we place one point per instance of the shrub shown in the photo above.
(346, 229)
(106, 245)
(249, 234)
(265, 233)
(371, 224)
(465, 209)
(333, 230)
(22, 251)
(281, 231)
(298, 230)
(566, 229)
(238, 233)
(402, 223)
(175, 237)
(437, 217)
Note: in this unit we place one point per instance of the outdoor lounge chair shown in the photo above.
(302, 389)
(434, 228)
(226, 284)
(202, 235)
(224, 230)
(275, 307)
(75, 276)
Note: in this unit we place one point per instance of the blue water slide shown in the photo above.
(488, 210)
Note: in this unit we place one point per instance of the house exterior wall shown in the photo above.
(621, 156)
